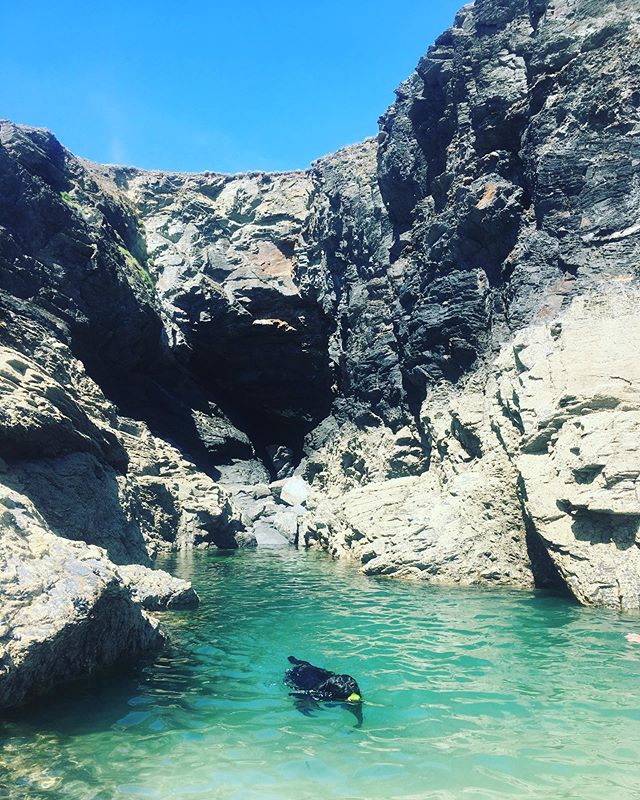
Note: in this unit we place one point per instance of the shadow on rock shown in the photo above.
(80, 499)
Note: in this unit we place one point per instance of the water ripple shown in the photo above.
(469, 694)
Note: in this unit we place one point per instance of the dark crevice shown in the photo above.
(545, 572)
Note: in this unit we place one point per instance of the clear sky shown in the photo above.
(225, 86)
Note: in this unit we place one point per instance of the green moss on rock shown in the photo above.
(142, 272)
(70, 201)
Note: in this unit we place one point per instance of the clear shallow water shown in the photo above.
(469, 694)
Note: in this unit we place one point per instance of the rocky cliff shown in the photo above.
(419, 354)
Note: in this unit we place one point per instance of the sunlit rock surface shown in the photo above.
(572, 391)
(64, 611)
(156, 590)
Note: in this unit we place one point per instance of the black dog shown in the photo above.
(321, 684)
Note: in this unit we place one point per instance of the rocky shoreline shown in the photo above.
(419, 354)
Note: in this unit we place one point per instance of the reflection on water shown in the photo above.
(469, 693)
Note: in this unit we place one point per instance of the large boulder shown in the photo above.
(65, 612)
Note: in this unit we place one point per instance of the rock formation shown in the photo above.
(419, 354)
(65, 609)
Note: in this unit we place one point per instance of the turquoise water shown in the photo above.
(469, 694)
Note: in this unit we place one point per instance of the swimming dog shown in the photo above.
(321, 684)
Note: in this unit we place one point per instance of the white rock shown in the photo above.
(267, 536)
(295, 491)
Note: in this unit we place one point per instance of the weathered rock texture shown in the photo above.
(431, 335)
(534, 470)
(508, 169)
(156, 590)
(95, 477)
(570, 391)
(65, 612)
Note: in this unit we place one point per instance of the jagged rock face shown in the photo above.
(534, 474)
(345, 266)
(572, 392)
(72, 250)
(71, 468)
(72, 253)
(508, 170)
(434, 329)
(506, 165)
(223, 252)
(270, 286)
(93, 475)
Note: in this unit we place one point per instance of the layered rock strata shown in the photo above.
(534, 474)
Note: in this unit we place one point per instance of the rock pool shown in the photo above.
(469, 693)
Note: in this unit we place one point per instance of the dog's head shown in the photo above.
(342, 687)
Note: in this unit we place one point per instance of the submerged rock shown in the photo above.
(268, 536)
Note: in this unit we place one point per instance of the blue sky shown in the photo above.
(226, 86)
